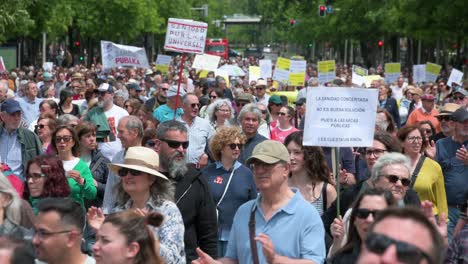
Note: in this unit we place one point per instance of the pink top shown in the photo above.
(279, 134)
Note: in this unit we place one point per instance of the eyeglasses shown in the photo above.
(224, 110)
(444, 118)
(233, 146)
(65, 139)
(394, 179)
(195, 105)
(35, 176)
(427, 130)
(41, 126)
(375, 152)
(458, 98)
(165, 89)
(414, 139)
(406, 253)
(213, 97)
(259, 88)
(102, 93)
(42, 234)
(364, 213)
(176, 144)
(127, 106)
(281, 113)
(124, 172)
(150, 143)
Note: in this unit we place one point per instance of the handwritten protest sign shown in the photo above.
(265, 69)
(358, 75)
(254, 73)
(419, 73)
(48, 66)
(297, 72)
(206, 62)
(432, 71)
(281, 73)
(370, 78)
(163, 62)
(185, 35)
(117, 55)
(326, 71)
(392, 72)
(456, 76)
(340, 117)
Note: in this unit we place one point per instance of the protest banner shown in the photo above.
(163, 62)
(456, 76)
(185, 35)
(206, 62)
(2, 65)
(358, 75)
(48, 66)
(340, 117)
(117, 55)
(326, 71)
(265, 69)
(254, 73)
(419, 73)
(281, 73)
(297, 72)
(392, 72)
(432, 71)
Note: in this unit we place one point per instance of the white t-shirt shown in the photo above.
(68, 165)
(109, 149)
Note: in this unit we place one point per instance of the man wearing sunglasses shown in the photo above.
(402, 235)
(452, 155)
(446, 123)
(192, 194)
(460, 97)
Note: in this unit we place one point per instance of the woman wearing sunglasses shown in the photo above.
(45, 126)
(347, 238)
(144, 188)
(231, 183)
(426, 174)
(284, 126)
(80, 179)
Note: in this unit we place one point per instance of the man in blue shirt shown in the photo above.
(280, 226)
(166, 111)
(30, 103)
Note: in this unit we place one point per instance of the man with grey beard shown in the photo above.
(192, 194)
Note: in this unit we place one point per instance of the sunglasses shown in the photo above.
(195, 105)
(233, 146)
(394, 179)
(264, 111)
(406, 253)
(124, 172)
(35, 176)
(213, 97)
(428, 130)
(259, 88)
(150, 143)
(176, 144)
(444, 118)
(65, 139)
(458, 98)
(40, 126)
(364, 213)
(127, 106)
(164, 89)
(281, 113)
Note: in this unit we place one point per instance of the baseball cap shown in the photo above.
(261, 82)
(244, 97)
(173, 91)
(134, 86)
(10, 106)
(270, 152)
(448, 109)
(461, 115)
(275, 99)
(462, 91)
(47, 76)
(105, 87)
(301, 101)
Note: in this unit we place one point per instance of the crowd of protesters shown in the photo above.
(130, 165)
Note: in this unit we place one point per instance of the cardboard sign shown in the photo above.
(326, 71)
(432, 71)
(456, 76)
(281, 73)
(48, 66)
(297, 72)
(185, 36)
(265, 69)
(358, 75)
(254, 73)
(392, 72)
(163, 62)
(206, 62)
(117, 55)
(340, 117)
(419, 73)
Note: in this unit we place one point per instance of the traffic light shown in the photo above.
(380, 43)
(322, 10)
(292, 22)
(77, 43)
(81, 58)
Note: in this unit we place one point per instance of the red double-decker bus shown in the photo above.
(218, 47)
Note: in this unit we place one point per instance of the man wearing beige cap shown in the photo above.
(446, 121)
(280, 225)
(426, 112)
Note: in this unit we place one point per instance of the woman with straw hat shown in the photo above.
(144, 188)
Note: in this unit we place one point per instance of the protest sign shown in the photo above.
(370, 78)
(419, 73)
(456, 76)
(326, 71)
(358, 75)
(254, 73)
(392, 72)
(48, 66)
(185, 36)
(297, 72)
(432, 71)
(206, 62)
(291, 95)
(163, 62)
(340, 117)
(2, 65)
(265, 69)
(117, 55)
(281, 73)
